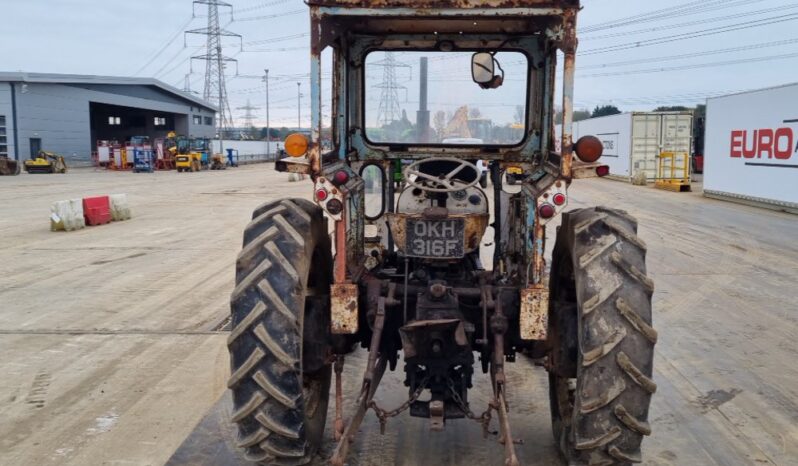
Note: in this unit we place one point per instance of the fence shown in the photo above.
(246, 159)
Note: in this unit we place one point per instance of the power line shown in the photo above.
(284, 49)
(261, 6)
(693, 67)
(693, 35)
(654, 100)
(655, 13)
(171, 60)
(164, 47)
(694, 23)
(278, 39)
(690, 55)
(691, 8)
(276, 15)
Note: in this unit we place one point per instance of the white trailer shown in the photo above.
(751, 152)
(634, 141)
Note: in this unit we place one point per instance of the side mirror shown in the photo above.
(483, 68)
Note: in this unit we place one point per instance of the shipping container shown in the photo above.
(633, 141)
(751, 151)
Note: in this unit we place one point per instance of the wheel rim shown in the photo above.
(563, 330)
(563, 392)
(316, 382)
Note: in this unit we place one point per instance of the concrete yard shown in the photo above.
(111, 348)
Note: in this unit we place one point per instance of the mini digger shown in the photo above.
(46, 162)
(408, 273)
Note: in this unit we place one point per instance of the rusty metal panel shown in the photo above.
(534, 313)
(568, 46)
(475, 226)
(344, 319)
(292, 165)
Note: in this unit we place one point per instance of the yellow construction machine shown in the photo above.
(186, 159)
(193, 154)
(46, 162)
(218, 162)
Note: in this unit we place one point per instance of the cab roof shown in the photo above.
(434, 4)
(379, 17)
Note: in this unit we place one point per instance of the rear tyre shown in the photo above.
(601, 364)
(280, 342)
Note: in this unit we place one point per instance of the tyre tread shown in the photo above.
(265, 342)
(616, 338)
(635, 374)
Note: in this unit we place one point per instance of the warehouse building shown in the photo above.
(68, 114)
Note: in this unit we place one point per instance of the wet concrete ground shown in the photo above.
(111, 351)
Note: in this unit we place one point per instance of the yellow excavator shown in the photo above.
(46, 162)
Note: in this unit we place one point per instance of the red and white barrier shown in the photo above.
(75, 214)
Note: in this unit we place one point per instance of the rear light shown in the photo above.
(335, 206)
(547, 211)
(589, 149)
(559, 199)
(602, 170)
(341, 177)
(321, 195)
(296, 145)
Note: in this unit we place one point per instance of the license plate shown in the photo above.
(440, 239)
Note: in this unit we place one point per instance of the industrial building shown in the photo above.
(68, 114)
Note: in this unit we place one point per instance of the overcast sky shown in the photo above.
(144, 38)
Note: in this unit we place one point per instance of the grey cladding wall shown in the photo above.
(7, 139)
(59, 114)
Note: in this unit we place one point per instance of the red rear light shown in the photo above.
(602, 170)
(547, 211)
(559, 199)
(340, 177)
(321, 195)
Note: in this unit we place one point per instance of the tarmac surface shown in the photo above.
(112, 340)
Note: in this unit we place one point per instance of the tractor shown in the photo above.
(404, 268)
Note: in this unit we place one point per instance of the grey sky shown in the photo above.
(114, 37)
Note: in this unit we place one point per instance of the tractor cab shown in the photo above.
(423, 92)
